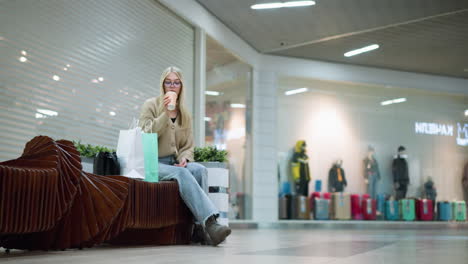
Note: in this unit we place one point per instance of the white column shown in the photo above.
(265, 183)
(199, 89)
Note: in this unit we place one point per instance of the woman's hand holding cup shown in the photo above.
(170, 101)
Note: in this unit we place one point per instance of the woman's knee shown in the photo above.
(197, 169)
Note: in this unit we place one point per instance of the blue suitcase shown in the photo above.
(392, 212)
(380, 206)
(322, 209)
(444, 211)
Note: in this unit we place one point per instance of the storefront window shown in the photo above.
(227, 121)
(347, 122)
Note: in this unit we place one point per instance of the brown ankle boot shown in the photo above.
(217, 232)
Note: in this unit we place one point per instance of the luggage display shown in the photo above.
(322, 209)
(285, 206)
(300, 207)
(356, 206)
(407, 210)
(392, 212)
(341, 206)
(369, 209)
(424, 210)
(444, 211)
(380, 207)
(459, 210)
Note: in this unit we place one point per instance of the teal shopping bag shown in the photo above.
(150, 150)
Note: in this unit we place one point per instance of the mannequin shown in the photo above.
(371, 172)
(336, 177)
(430, 191)
(400, 173)
(465, 183)
(300, 169)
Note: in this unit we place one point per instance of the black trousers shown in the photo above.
(401, 191)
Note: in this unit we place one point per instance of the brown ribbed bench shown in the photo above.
(48, 202)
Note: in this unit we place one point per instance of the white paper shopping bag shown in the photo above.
(130, 153)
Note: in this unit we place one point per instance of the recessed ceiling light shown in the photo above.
(23, 59)
(112, 113)
(47, 112)
(213, 93)
(361, 50)
(394, 101)
(466, 112)
(237, 105)
(285, 4)
(24, 53)
(56, 78)
(296, 91)
(65, 69)
(101, 79)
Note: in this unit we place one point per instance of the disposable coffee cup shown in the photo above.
(173, 97)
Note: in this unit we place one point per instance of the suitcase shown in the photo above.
(407, 210)
(325, 195)
(285, 206)
(356, 206)
(380, 207)
(286, 188)
(459, 211)
(369, 209)
(318, 185)
(424, 210)
(322, 209)
(444, 211)
(300, 207)
(341, 206)
(392, 212)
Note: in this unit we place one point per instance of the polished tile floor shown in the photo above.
(312, 246)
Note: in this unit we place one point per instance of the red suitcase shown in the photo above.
(369, 209)
(424, 210)
(321, 195)
(356, 206)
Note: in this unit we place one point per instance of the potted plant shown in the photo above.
(88, 152)
(215, 162)
(211, 157)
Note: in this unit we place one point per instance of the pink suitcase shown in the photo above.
(356, 206)
(424, 210)
(369, 209)
(320, 195)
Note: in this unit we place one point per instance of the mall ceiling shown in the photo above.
(426, 36)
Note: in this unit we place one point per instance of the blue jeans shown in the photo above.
(372, 186)
(193, 186)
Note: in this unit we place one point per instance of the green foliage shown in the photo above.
(210, 154)
(89, 150)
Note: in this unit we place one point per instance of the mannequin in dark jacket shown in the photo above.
(430, 191)
(400, 174)
(371, 172)
(336, 178)
(465, 182)
(300, 168)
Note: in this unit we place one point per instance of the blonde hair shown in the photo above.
(184, 118)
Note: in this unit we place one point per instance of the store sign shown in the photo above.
(443, 130)
(433, 129)
(462, 137)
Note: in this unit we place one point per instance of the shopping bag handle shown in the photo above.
(145, 126)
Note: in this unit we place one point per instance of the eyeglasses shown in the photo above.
(174, 83)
